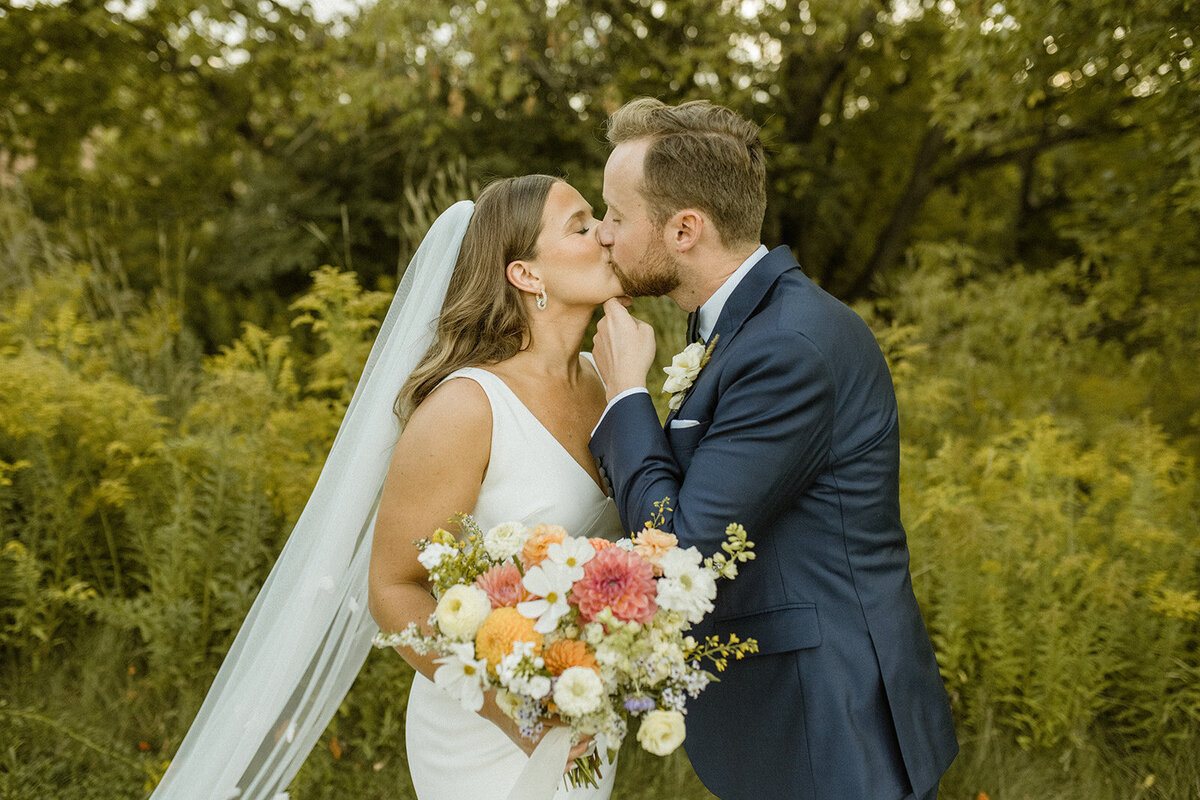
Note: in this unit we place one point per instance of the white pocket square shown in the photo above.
(684, 423)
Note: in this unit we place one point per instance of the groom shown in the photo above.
(790, 429)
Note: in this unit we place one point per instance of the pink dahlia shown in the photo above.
(618, 580)
(502, 584)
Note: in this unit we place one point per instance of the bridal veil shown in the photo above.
(309, 631)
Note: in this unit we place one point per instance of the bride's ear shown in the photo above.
(522, 275)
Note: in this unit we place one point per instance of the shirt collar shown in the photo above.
(711, 310)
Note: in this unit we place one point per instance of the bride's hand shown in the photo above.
(505, 723)
(578, 751)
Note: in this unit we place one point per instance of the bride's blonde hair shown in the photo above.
(483, 320)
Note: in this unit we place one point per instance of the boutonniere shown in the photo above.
(685, 366)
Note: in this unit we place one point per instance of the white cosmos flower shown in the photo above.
(461, 676)
(578, 691)
(462, 610)
(505, 540)
(550, 582)
(572, 553)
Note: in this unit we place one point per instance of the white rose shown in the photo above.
(462, 610)
(685, 366)
(505, 540)
(674, 384)
(661, 732)
(688, 361)
(508, 702)
(579, 691)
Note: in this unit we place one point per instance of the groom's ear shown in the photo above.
(684, 229)
(522, 275)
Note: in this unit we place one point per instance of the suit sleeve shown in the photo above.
(769, 437)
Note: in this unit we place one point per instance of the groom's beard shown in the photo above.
(658, 275)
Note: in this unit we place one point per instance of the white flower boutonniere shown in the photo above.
(685, 366)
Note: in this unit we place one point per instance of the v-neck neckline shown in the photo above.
(562, 448)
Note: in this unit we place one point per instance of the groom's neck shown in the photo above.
(703, 274)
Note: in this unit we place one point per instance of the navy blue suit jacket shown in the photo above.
(797, 439)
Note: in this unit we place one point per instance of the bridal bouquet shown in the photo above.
(587, 631)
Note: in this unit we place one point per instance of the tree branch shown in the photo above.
(805, 107)
(925, 177)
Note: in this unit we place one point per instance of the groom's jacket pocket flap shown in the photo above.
(777, 630)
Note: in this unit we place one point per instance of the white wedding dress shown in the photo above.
(455, 754)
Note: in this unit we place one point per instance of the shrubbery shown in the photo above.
(145, 490)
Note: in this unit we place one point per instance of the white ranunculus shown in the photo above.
(678, 560)
(579, 691)
(462, 610)
(461, 676)
(433, 554)
(505, 540)
(661, 732)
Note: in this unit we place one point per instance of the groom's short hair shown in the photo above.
(702, 156)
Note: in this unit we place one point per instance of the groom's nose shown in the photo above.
(604, 234)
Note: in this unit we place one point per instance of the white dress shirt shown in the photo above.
(709, 313)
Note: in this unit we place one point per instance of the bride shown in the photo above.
(495, 409)
(499, 412)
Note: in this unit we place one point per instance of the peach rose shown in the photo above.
(534, 551)
(651, 544)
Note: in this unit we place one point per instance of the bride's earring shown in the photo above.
(541, 300)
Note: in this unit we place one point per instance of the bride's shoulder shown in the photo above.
(458, 407)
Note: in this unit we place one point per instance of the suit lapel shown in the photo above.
(750, 292)
(745, 299)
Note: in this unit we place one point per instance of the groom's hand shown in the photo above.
(623, 349)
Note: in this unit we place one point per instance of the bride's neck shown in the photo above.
(554, 344)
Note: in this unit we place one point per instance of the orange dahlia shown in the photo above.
(567, 653)
(539, 540)
(503, 628)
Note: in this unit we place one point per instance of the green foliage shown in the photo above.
(1053, 532)
(1011, 193)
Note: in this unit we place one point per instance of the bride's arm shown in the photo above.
(436, 471)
